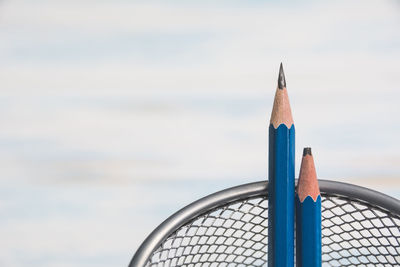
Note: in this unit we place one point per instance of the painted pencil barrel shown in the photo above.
(281, 196)
(308, 232)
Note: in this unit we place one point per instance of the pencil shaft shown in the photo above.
(281, 196)
(308, 232)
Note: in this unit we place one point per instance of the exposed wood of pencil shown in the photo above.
(281, 112)
(308, 183)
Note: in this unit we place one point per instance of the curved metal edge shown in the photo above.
(189, 212)
(370, 196)
(244, 191)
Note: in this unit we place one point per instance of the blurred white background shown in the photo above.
(114, 114)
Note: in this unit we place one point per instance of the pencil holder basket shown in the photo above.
(360, 227)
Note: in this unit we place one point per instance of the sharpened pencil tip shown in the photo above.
(281, 78)
(307, 151)
(308, 182)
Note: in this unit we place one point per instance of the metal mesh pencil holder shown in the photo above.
(360, 227)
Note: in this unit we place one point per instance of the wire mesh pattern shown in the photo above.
(354, 233)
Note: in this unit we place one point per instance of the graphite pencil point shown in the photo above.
(307, 151)
(281, 78)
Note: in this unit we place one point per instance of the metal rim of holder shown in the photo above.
(210, 202)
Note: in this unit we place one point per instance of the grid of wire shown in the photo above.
(354, 233)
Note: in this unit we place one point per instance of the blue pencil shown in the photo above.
(281, 180)
(308, 215)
